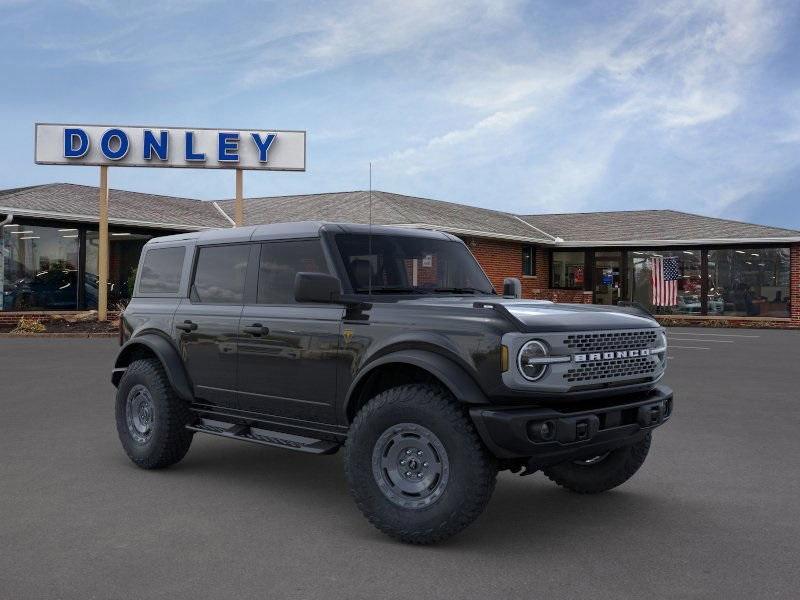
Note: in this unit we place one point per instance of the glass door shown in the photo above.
(607, 277)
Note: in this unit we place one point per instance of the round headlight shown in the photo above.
(528, 360)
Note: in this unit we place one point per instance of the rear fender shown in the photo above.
(165, 352)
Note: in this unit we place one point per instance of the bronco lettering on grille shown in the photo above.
(593, 356)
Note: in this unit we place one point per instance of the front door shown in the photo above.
(288, 352)
(607, 277)
(207, 323)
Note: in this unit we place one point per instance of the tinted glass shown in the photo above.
(125, 247)
(749, 282)
(38, 267)
(280, 262)
(220, 273)
(161, 271)
(568, 270)
(408, 265)
(667, 281)
(528, 260)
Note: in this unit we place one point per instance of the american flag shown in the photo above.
(664, 277)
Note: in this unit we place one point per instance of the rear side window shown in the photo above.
(161, 271)
(220, 273)
(280, 262)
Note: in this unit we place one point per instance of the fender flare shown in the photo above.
(166, 353)
(451, 374)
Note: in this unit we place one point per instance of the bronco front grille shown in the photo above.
(611, 340)
(612, 369)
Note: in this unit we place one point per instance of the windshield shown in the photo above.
(410, 265)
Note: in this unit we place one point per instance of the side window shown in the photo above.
(220, 273)
(529, 260)
(161, 271)
(280, 262)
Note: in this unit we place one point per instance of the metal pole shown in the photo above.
(239, 208)
(102, 256)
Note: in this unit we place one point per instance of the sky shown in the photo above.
(528, 107)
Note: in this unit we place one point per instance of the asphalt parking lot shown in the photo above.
(714, 512)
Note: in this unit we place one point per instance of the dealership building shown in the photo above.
(717, 271)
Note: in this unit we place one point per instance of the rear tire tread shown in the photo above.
(171, 443)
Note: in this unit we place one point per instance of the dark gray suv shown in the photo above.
(392, 344)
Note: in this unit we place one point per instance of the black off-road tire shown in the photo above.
(613, 470)
(469, 478)
(168, 440)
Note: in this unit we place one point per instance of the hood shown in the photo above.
(533, 316)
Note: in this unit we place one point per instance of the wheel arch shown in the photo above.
(153, 345)
(410, 366)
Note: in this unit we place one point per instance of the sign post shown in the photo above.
(239, 205)
(175, 147)
(102, 255)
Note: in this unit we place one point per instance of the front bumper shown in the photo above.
(548, 436)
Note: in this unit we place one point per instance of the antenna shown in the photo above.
(369, 237)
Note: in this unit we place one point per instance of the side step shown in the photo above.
(278, 439)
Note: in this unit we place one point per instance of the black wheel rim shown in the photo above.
(410, 465)
(139, 413)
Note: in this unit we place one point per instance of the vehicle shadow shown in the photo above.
(530, 511)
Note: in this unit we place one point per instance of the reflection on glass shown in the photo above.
(568, 270)
(39, 268)
(749, 282)
(125, 247)
(667, 281)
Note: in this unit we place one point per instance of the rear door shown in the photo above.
(288, 352)
(206, 324)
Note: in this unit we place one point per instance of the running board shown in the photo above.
(266, 437)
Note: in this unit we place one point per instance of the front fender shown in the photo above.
(166, 353)
(452, 375)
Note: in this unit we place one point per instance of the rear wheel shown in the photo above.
(600, 473)
(415, 465)
(151, 419)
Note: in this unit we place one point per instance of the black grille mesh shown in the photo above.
(617, 368)
(612, 340)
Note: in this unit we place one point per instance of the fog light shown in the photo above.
(542, 431)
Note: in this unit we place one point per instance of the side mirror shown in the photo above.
(317, 287)
(512, 288)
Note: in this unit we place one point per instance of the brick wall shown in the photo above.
(13, 317)
(501, 259)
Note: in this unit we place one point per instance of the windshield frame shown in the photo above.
(379, 291)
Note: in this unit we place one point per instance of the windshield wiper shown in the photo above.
(384, 289)
(460, 290)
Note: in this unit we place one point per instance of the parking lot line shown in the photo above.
(736, 335)
(689, 347)
(701, 340)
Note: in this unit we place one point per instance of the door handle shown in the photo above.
(256, 329)
(187, 325)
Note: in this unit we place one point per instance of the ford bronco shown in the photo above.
(392, 344)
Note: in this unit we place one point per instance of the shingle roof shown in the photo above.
(387, 209)
(651, 226)
(79, 202)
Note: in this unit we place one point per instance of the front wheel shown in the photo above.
(600, 473)
(415, 465)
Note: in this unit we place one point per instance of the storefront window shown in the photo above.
(125, 247)
(746, 282)
(568, 270)
(666, 281)
(39, 268)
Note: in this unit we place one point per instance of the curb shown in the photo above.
(57, 335)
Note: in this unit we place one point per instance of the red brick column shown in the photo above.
(794, 283)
